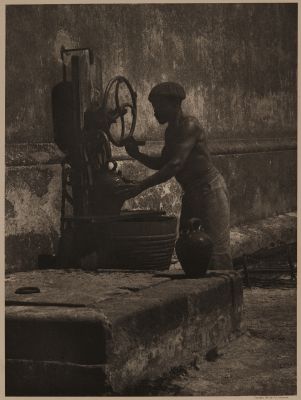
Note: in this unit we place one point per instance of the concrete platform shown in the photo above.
(264, 234)
(87, 333)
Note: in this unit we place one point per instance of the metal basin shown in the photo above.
(141, 241)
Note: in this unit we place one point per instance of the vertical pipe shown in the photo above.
(76, 153)
(246, 274)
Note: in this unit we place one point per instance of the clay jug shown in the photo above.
(194, 249)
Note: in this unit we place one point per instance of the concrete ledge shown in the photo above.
(25, 154)
(171, 327)
(147, 324)
(264, 234)
(115, 329)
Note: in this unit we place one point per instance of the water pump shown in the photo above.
(83, 130)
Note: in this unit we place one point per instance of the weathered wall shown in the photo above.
(236, 61)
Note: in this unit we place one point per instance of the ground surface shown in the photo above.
(260, 362)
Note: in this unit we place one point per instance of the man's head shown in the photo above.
(166, 99)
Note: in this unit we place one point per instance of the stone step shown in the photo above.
(87, 333)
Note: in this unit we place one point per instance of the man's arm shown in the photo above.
(191, 131)
(189, 136)
(149, 161)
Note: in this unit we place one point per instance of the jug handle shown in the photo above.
(195, 224)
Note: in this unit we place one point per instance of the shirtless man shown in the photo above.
(185, 156)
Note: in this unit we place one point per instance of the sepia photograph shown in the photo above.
(151, 199)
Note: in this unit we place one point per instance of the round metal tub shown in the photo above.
(139, 242)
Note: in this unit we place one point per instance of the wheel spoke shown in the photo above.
(121, 110)
(117, 96)
(122, 128)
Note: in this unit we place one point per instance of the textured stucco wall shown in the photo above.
(237, 62)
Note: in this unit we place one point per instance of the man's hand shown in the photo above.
(132, 148)
(128, 191)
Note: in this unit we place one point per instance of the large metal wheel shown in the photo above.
(121, 110)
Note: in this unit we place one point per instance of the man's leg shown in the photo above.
(210, 203)
(215, 210)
